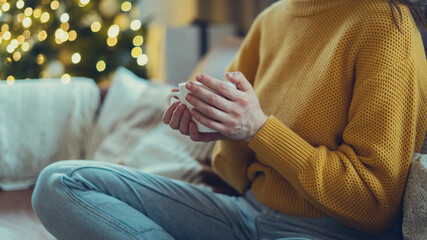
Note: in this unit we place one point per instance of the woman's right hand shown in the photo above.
(178, 117)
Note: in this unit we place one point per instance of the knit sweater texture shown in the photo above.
(346, 92)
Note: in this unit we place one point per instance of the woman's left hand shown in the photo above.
(236, 114)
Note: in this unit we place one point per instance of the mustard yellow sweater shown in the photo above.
(346, 94)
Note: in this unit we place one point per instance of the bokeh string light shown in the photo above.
(59, 38)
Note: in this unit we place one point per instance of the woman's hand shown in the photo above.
(236, 114)
(178, 117)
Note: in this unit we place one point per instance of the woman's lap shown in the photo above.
(94, 200)
(104, 200)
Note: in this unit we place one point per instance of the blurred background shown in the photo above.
(109, 42)
(155, 39)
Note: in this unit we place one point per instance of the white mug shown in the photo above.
(181, 96)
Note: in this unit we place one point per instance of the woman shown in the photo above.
(330, 106)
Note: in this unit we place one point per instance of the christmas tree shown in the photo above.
(65, 38)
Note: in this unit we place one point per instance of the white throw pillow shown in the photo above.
(125, 90)
(42, 121)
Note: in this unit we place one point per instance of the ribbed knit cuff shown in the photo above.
(281, 148)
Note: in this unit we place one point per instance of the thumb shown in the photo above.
(240, 80)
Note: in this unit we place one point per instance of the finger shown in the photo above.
(218, 85)
(185, 121)
(209, 97)
(167, 115)
(194, 133)
(209, 111)
(176, 116)
(210, 123)
(240, 80)
(196, 136)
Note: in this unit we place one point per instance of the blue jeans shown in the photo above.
(94, 200)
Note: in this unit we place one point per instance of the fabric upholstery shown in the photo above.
(414, 224)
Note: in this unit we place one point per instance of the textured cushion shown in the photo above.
(125, 90)
(414, 224)
(42, 121)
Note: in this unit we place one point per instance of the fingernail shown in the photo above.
(229, 75)
(198, 77)
(188, 85)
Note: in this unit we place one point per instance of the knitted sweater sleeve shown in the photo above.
(362, 181)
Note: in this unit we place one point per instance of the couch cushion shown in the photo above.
(414, 224)
(42, 121)
(125, 90)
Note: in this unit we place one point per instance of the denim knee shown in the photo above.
(48, 191)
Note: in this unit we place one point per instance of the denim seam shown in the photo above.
(98, 212)
(256, 227)
(235, 230)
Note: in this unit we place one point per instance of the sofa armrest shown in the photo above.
(46, 121)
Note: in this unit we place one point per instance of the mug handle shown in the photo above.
(171, 95)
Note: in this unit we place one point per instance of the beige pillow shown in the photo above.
(414, 224)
